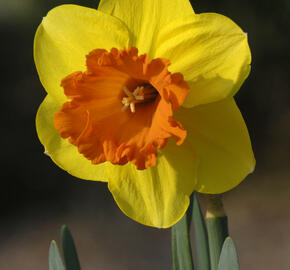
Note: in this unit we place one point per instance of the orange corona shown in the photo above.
(121, 107)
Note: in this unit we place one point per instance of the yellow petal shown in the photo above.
(157, 196)
(145, 18)
(64, 154)
(212, 53)
(66, 35)
(218, 133)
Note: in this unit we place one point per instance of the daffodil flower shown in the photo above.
(140, 95)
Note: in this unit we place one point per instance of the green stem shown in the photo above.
(217, 227)
(180, 241)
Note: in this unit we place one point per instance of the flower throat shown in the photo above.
(141, 94)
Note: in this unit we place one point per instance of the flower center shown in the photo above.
(141, 94)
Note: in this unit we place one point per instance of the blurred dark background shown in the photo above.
(37, 197)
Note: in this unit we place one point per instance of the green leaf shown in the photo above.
(201, 238)
(180, 241)
(229, 257)
(217, 228)
(69, 250)
(54, 258)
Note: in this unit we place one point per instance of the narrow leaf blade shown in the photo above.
(54, 258)
(200, 234)
(69, 250)
(229, 258)
(181, 249)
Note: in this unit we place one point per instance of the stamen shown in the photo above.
(137, 96)
(131, 98)
(132, 107)
(126, 90)
(137, 91)
(124, 107)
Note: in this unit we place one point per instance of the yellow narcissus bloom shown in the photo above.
(140, 95)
